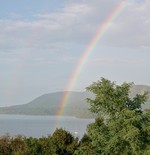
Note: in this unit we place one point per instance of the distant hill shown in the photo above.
(48, 104)
(140, 89)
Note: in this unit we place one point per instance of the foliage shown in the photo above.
(33, 145)
(60, 143)
(4, 145)
(121, 127)
(13, 145)
(64, 141)
(85, 147)
(18, 145)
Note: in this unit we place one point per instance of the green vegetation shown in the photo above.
(121, 127)
(60, 143)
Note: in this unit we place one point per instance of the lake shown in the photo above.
(38, 126)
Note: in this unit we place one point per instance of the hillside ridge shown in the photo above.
(48, 104)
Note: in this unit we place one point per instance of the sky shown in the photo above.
(41, 43)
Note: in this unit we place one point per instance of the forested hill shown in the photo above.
(48, 104)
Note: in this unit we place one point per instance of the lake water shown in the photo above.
(38, 126)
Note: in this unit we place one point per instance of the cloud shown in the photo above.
(48, 44)
(115, 61)
(131, 29)
(75, 24)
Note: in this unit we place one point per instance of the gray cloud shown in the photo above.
(131, 29)
(76, 23)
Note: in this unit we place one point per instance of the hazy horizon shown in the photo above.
(41, 43)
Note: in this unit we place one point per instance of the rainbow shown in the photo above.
(89, 49)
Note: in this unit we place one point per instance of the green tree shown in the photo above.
(121, 126)
(18, 145)
(46, 146)
(33, 146)
(64, 142)
(85, 147)
(5, 148)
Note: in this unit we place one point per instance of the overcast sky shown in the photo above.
(41, 42)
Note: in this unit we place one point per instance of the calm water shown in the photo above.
(38, 126)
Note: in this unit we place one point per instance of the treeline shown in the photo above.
(121, 127)
(61, 142)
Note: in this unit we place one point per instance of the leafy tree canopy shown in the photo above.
(121, 126)
(110, 99)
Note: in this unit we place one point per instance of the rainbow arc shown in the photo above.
(89, 49)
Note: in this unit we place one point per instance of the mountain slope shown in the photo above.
(48, 104)
(140, 89)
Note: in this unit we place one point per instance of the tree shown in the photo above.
(18, 145)
(47, 146)
(5, 145)
(84, 147)
(34, 148)
(121, 126)
(64, 142)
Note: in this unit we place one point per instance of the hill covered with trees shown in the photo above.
(77, 106)
(48, 104)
